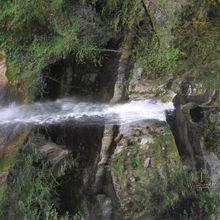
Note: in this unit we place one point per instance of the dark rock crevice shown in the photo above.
(86, 80)
(196, 114)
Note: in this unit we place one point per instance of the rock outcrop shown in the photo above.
(189, 123)
(103, 185)
(3, 78)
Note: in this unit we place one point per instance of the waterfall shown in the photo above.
(68, 109)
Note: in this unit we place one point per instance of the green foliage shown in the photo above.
(34, 193)
(127, 12)
(37, 33)
(117, 165)
(156, 60)
(212, 136)
(180, 195)
(8, 154)
(124, 14)
(198, 40)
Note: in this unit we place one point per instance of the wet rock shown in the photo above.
(140, 86)
(213, 165)
(119, 88)
(53, 153)
(105, 204)
(3, 177)
(147, 162)
(187, 136)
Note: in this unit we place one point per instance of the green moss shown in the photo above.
(118, 167)
(136, 159)
(7, 154)
(5, 162)
(126, 163)
(166, 141)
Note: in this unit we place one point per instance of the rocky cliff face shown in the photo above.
(147, 170)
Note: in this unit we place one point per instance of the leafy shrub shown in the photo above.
(37, 33)
(156, 60)
(181, 195)
(33, 193)
(122, 14)
(212, 136)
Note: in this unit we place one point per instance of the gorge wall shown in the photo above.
(147, 170)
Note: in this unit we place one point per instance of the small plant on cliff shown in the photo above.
(156, 60)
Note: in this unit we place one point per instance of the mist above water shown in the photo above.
(70, 109)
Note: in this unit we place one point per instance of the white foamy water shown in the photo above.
(68, 109)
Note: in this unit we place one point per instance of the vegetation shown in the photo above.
(181, 195)
(164, 190)
(33, 195)
(197, 37)
(124, 14)
(156, 60)
(212, 135)
(7, 154)
(5, 161)
(183, 44)
(35, 34)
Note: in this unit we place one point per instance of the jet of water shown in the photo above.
(67, 109)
